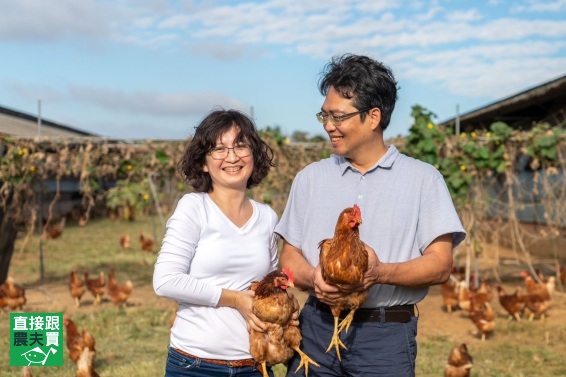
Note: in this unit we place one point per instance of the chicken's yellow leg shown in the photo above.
(347, 321)
(336, 340)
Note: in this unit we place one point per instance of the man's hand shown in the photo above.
(326, 293)
(371, 276)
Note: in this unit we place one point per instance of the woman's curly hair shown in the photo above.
(210, 129)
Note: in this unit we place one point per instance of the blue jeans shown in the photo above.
(384, 349)
(179, 365)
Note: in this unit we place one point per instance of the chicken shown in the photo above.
(125, 241)
(562, 274)
(537, 299)
(52, 231)
(13, 303)
(83, 220)
(76, 287)
(482, 315)
(85, 364)
(449, 291)
(146, 242)
(481, 294)
(118, 293)
(96, 286)
(344, 260)
(533, 287)
(12, 289)
(536, 306)
(77, 341)
(513, 303)
(273, 306)
(12, 295)
(26, 372)
(459, 362)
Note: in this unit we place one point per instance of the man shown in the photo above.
(410, 225)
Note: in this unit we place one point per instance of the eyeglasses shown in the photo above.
(220, 153)
(336, 120)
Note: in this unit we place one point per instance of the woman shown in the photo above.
(216, 243)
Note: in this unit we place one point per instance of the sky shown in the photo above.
(152, 69)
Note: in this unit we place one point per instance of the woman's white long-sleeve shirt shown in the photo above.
(203, 252)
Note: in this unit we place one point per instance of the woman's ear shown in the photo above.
(205, 168)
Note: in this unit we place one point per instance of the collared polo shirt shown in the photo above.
(405, 205)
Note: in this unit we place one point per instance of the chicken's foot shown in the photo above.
(305, 360)
(336, 342)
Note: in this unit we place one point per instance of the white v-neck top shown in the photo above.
(203, 252)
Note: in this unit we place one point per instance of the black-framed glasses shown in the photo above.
(336, 119)
(220, 153)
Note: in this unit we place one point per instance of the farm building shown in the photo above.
(19, 124)
(545, 103)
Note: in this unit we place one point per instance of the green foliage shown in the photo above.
(464, 159)
(424, 137)
(274, 133)
(128, 194)
(544, 145)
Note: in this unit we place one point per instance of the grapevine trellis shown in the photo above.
(480, 168)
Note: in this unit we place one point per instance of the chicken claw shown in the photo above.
(305, 360)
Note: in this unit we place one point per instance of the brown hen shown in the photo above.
(96, 286)
(146, 242)
(482, 315)
(459, 362)
(125, 241)
(274, 307)
(513, 303)
(77, 341)
(12, 295)
(118, 293)
(85, 364)
(76, 287)
(538, 297)
(344, 260)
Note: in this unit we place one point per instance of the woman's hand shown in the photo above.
(243, 303)
(296, 311)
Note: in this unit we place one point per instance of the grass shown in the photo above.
(133, 341)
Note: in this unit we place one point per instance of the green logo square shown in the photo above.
(36, 339)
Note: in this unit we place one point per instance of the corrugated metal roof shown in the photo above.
(16, 123)
(543, 103)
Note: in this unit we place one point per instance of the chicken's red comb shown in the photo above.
(287, 271)
(357, 210)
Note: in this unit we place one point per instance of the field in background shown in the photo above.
(133, 341)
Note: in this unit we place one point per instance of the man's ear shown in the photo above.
(375, 116)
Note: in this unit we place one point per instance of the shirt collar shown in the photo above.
(385, 162)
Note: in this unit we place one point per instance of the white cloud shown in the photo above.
(540, 6)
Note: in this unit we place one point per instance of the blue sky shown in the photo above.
(140, 69)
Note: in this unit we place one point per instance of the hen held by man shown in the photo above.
(274, 307)
(344, 261)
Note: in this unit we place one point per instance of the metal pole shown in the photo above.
(40, 232)
(39, 118)
(40, 205)
(457, 120)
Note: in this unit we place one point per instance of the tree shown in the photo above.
(8, 233)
